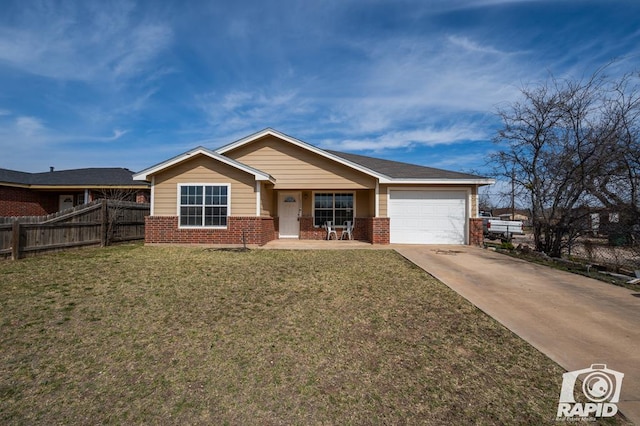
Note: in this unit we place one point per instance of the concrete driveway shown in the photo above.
(574, 320)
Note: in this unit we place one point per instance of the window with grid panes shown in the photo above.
(336, 207)
(204, 205)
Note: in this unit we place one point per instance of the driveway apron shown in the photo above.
(574, 320)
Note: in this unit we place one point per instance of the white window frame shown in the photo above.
(334, 192)
(179, 196)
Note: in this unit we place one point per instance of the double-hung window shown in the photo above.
(204, 205)
(336, 207)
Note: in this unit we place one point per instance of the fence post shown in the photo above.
(15, 240)
(104, 213)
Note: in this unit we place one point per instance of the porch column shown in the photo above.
(377, 202)
(258, 192)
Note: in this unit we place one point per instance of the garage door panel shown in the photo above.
(428, 217)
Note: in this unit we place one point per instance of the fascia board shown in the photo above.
(258, 175)
(15, 185)
(63, 187)
(439, 181)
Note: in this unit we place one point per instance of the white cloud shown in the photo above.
(408, 138)
(29, 126)
(441, 95)
(21, 138)
(249, 110)
(446, 94)
(146, 43)
(472, 46)
(83, 41)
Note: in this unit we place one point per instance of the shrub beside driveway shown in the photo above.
(134, 334)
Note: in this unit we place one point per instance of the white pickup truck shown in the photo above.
(494, 228)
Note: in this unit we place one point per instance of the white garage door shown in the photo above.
(428, 217)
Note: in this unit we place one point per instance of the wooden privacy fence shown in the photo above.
(101, 222)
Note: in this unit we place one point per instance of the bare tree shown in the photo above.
(117, 198)
(617, 183)
(570, 145)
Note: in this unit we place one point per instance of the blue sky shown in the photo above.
(132, 83)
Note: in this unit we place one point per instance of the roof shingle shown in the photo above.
(399, 170)
(90, 177)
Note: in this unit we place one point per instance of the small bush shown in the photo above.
(506, 245)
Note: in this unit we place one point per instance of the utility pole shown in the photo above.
(513, 193)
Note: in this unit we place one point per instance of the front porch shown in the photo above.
(301, 214)
(368, 229)
(291, 244)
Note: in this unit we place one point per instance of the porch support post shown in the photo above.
(153, 198)
(377, 207)
(258, 190)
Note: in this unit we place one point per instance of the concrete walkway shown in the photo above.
(295, 244)
(574, 320)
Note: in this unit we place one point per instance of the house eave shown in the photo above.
(44, 187)
(77, 187)
(479, 182)
(147, 173)
(15, 185)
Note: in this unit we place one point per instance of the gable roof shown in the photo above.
(146, 173)
(400, 170)
(94, 177)
(385, 171)
(272, 132)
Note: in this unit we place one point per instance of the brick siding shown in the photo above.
(257, 230)
(475, 231)
(164, 229)
(380, 233)
(373, 230)
(25, 202)
(310, 232)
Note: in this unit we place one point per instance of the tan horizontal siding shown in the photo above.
(384, 200)
(364, 204)
(202, 169)
(474, 202)
(266, 200)
(297, 168)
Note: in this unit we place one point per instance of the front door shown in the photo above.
(66, 202)
(289, 209)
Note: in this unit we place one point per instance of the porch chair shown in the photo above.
(330, 230)
(347, 230)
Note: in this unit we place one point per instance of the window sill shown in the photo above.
(202, 227)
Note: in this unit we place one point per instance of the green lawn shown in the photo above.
(134, 334)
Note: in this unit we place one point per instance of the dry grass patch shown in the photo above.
(135, 334)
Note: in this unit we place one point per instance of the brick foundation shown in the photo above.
(310, 232)
(257, 230)
(475, 231)
(373, 230)
(164, 230)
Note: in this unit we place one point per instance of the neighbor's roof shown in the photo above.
(76, 177)
(399, 170)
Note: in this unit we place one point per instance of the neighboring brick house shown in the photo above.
(270, 185)
(36, 194)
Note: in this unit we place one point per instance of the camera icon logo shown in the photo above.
(600, 385)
